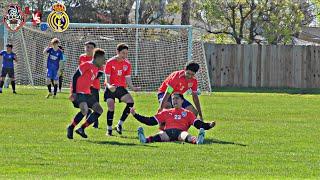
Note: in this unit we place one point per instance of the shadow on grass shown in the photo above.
(116, 143)
(217, 141)
(269, 90)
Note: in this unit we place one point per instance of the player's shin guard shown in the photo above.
(110, 119)
(125, 113)
(91, 119)
(49, 88)
(155, 138)
(13, 84)
(55, 89)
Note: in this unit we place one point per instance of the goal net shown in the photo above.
(154, 51)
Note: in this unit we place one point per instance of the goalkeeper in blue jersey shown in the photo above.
(54, 58)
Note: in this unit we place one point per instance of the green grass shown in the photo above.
(258, 135)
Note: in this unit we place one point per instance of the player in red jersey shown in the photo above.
(118, 76)
(95, 88)
(177, 122)
(81, 96)
(180, 82)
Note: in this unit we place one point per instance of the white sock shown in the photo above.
(109, 127)
(120, 123)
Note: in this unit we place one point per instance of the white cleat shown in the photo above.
(201, 136)
(141, 136)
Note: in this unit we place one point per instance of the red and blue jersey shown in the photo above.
(54, 57)
(7, 59)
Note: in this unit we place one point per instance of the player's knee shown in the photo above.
(97, 108)
(183, 136)
(110, 105)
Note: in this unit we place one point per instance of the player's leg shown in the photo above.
(159, 137)
(84, 110)
(186, 137)
(55, 83)
(109, 97)
(95, 94)
(60, 82)
(48, 81)
(12, 79)
(125, 97)
(79, 116)
(3, 75)
(168, 104)
(187, 105)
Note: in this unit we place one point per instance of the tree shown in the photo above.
(117, 10)
(185, 14)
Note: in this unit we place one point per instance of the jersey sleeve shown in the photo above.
(49, 50)
(61, 58)
(128, 72)
(108, 68)
(161, 116)
(171, 81)
(194, 87)
(1, 53)
(84, 67)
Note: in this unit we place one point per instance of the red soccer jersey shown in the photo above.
(176, 118)
(180, 84)
(84, 58)
(118, 71)
(89, 73)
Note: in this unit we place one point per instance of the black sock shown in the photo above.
(110, 118)
(155, 138)
(55, 89)
(88, 114)
(91, 119)
(60, 82)
(13, 84)
(76, 119)
(49, 88)
(126, 112)
(1, 84)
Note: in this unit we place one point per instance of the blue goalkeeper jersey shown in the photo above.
(7, 59)
(54, 57)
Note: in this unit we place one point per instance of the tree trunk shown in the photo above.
(185, 14)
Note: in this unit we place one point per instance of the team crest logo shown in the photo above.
(14, 18)
(58, 19)
(184, 114)
(125, 67)
(190, 85)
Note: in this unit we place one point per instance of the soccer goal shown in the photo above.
(154, 51)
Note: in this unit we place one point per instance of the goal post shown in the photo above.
(154, 51)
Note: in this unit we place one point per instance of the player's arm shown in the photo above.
(165, 98)
(150, 121)
(15, 58)
(197, 103)
(200, 124)
(46, 50)
(129, 82)
(75, 80)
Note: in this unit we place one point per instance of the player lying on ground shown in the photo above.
(180, 82)
(81, 96)
(54, 58)
(8, 57)
(95, 88)
(118, 75)
(177, 122)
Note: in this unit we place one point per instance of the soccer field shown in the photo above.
(258, 135)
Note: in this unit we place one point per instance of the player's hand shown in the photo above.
(72, 97)
(112, 88)
(135, 89)
(132, 111)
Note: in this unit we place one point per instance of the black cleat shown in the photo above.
(109, 133)
(81, 132)
(96, 124)
(70, 132)
(14, 92)
(119, 129)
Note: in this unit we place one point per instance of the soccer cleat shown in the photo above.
(201, 136)
(141, 136)
(14, 92)
(49, 94)
(54, 96)
(69, 132)
(109, 133)
(96, 124)
(119, 129)
(81, 132)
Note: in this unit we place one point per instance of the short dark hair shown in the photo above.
(9, 45)
(192, 66)
(98, 52)
(122, 46)
(178, 94)
(90, 43)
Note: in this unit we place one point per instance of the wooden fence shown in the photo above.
(263, 66)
